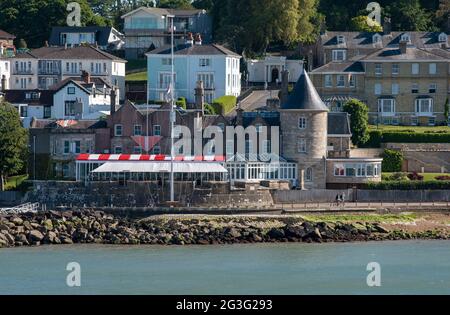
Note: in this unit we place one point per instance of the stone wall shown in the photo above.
(143, 194)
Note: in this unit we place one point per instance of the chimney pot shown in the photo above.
(198, 39)
(113, 101)
(86, 77)
(403, 46)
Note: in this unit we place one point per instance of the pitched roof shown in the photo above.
(412, 53)
(102, 33)
(212, 49)
(365, 39)
(6, 35)
(163, 11)
(68, 124)
(304, 96)
(78, 52)
(87, 87)
(339, 124)
(20, 97)
(346, 66)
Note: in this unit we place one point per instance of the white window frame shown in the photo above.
(395, 88)
(420, 106)
(384, 103)
(116, 128)
(432, 88)
(328, 81)
(432, 68)
(415, 68)
(134, 130)
(378, 69)
(395, 68)
(157, 130)
(340, 81)
(339, 55)
(378, 89)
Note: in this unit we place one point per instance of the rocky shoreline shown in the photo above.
(83, 227)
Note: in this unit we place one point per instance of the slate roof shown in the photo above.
(78, 52)
(102, 33)
(212, 49)
(19, 97)
(304, 96)
(339, 124)
(99, 82)
(347, 66)
(6, 35)
(75, 124)
(163, 11)
(412, 53)
(358, 40)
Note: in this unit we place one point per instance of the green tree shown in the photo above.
(33, 19)
(359, 24)
(392, 161)
(409, 15)
(13, 142)
(174, 4)
(359, 121)
(203, 4)
(443, 15)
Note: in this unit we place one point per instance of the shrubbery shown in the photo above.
(225, 104)
(409, 185)
(415, 176)
(392, 161)
(181, 102)
(376, 137)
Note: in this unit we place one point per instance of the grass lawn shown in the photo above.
(138, 76)
(134, 64)
(418, 129)
(426, 176)
(15, 181)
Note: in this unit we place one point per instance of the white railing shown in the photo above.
(24, 208)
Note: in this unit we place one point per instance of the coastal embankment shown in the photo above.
(84, 227)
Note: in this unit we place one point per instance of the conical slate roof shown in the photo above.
(304, 96)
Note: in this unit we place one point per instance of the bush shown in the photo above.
(225, 104)
(392, 161)
(443, 177)
(181, 102)
(376, 137)
(415, 176)
(409, 185)
(359, 121)
(209, 110)
(395, 177)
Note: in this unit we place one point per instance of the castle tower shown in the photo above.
(304, 120)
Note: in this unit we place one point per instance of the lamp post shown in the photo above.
(172, 112)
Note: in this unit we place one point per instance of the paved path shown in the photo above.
(363, 206)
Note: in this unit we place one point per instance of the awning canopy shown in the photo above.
(159, 167)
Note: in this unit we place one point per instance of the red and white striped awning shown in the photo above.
(146, 157)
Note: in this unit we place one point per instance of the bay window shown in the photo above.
(386, 106)
(424, 106)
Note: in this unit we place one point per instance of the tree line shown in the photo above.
(246, 25)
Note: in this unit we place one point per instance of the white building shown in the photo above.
(215, 65)
(44, 67)
(82, 98)
(270, 68)
(5, 71)
(106, 37)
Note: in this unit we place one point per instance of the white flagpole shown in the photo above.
(172, 115)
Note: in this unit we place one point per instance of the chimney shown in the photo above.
(200, 97)
(46, 43)
(65, 46)
(444, 45)
(85, 76)
(403, 46)
(113, 101)
(190, 39)
(198, 39)
(272, 104)
(284, 93)
(239, 116)
(3, 83)
(387, 26)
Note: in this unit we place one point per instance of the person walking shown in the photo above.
(343, 199)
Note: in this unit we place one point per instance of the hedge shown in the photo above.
(225, 104)
(409, 185)
(376, 137)
(181, 102)
(392, 161)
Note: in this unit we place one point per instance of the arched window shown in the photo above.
(309, 174)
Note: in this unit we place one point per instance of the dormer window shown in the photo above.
(405, 38)
(340, 39)
(443, 38)
(376, 38)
